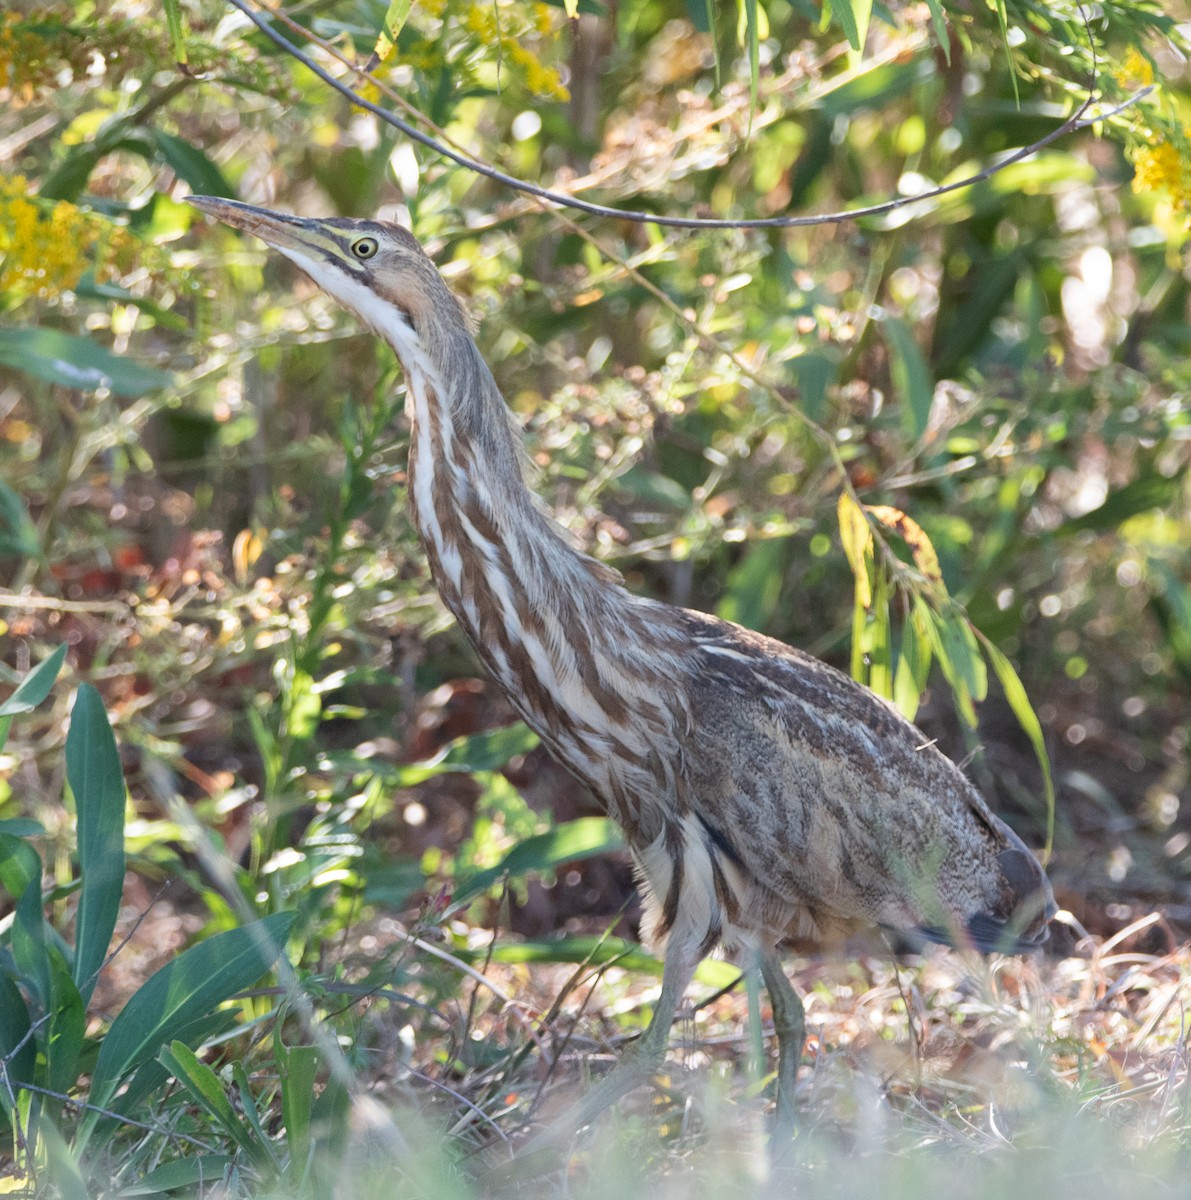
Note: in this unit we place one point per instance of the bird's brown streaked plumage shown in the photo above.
(762, 792)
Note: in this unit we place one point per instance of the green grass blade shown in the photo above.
(189, 987)
(97, 782)
(300, 1065)
(177, 29)
(204, 1087)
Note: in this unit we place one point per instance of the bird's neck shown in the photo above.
(569, 645)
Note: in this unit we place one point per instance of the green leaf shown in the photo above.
(911, 376)
(1140, 495)
(36, 686)
(175, 24)
(206, 1090)
(853, 18)
(585, 948)
(76, 362)
(300, 1066)
(206, 1169)
(1027, 718)
(568, 842)
(18, 534)
(192, 165)
(487, 751)
(913, 666)
(28, 944)
(752, 25)
(20, 865)
(63, 1168)
(754, 586)
(939, 21)
(14, 1028)
(191, 986)
(97, 783)
(67, 1027)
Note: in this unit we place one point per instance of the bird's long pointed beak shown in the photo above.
(275, 229)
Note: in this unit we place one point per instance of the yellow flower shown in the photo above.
(45, 249)
(1136, 71)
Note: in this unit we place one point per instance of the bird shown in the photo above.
(762, 793)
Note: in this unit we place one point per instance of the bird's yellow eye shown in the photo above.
(365, 247)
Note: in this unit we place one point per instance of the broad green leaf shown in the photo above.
(487, 751)
(18, 534)
(189, 987)
(911, 376)
(565, 843)
(97, 783)
(300, 1066)
(192, 165)
(754, 586)
(1027, 718)
(76, 362)
(205, 1169)
(36, 686)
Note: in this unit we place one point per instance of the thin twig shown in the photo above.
(1077, 121)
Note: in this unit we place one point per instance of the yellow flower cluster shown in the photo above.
(45, 248)
(1136, 71)
(1160, 165)
(25, 65)
(481, 20)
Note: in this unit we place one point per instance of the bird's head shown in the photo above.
(375, 269)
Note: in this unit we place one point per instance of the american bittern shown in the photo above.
(761, 792)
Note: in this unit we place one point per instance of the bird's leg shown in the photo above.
(641, 1059)
(789, 1023)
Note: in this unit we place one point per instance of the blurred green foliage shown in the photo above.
(202, 460)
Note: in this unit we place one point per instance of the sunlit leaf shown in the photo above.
(569, 842)
(76, 362)
(857, 539)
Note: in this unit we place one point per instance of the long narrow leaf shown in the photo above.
(189, 987)
(1027, 718)
(36, 686)
(97, 782)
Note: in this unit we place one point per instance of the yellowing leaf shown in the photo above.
(246, 549)
(386, 42)
(857, 539)
(925, 558)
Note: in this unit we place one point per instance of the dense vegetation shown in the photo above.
(944, 445)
